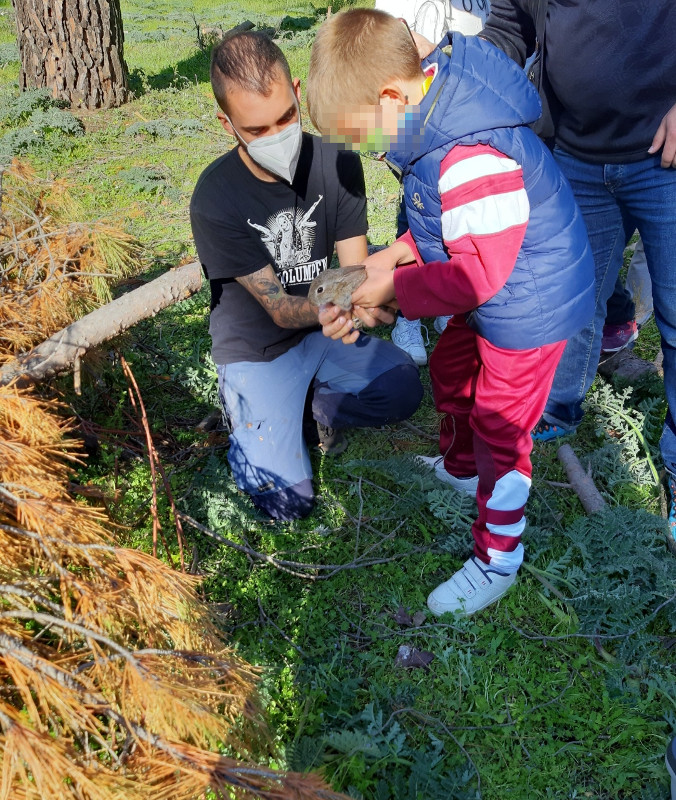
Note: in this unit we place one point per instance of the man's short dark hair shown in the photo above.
(249, 60)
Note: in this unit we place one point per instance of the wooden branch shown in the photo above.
(59, 353)
(580, 481)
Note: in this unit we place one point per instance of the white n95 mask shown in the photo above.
(279, 152)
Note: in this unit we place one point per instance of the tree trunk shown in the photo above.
(74, 49)
(62, 350)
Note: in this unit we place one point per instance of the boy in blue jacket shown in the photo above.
(495, 239)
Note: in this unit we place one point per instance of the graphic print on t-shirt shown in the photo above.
(289, 236)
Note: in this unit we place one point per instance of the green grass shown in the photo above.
(519, 702)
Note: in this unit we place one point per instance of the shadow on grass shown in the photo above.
(192, 69)
(196, 67)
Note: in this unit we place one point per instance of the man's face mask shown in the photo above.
(277, 153)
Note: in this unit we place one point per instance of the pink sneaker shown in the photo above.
(617, 337)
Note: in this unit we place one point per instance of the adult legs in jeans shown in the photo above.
(368, 383)
(616, 199)
(632, 299)
(620, 305)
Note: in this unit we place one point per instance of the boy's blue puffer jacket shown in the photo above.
(481, 96)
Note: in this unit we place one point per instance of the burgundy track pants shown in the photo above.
(491, 399)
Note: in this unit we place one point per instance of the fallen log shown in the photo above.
(580, 480)
(63, 350)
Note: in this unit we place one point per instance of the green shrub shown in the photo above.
(9, 53)
(36, 133)
(20, 108)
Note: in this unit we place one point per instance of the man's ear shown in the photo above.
(296, 88)
(225, 122)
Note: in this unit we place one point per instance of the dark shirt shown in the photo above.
(609, 71)
(612, 67)
(241, 224)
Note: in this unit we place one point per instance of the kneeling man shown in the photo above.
(266, 218)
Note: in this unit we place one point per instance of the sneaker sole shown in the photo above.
(634, 337)
(468, 486)
(548, 438)
(462, 613)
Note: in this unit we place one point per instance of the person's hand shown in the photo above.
(390, 257)
(382, 259)
(339, 324)
(425, 47)
(666, 139)
(377, 289)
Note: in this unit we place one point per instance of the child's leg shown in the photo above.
(511, 393)
(454, 367)
(509, 396)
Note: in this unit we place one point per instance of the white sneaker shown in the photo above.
(472, 588)
(467, 485)
(440, 324)
(407, 335)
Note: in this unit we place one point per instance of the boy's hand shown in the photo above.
(377, 289)
(390, 257)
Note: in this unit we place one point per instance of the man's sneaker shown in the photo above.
(617, 337)
(546, 431)
(407, 335)
(440, 323)
(671, 499)
(332, 441)
(472, 588)
(467, 485)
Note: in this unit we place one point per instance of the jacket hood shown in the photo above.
(476, 89)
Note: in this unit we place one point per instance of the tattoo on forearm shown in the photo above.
(286, 310)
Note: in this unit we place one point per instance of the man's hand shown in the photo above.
(339, 324)
(666, 139)
(377, 289)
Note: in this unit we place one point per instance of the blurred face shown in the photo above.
(365, 127)
(380, 127)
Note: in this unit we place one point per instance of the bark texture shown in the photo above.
(60, 352)
(74, 48)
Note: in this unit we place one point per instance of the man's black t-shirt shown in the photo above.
(241, 224)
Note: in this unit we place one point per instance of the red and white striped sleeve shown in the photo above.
(484, 215)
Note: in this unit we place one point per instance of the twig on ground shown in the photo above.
(406, 424)
(155, 466)
(293, 567)
(264, 618)
(580, 480)
(359, 519)
(596, 636)
(425, 718)
(157, 527)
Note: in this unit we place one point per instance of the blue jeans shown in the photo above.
(615, 199)
(369, 383)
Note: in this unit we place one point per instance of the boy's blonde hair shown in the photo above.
(355, 54)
